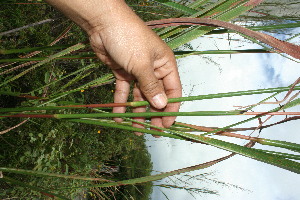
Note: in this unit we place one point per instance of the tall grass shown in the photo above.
(47, 100)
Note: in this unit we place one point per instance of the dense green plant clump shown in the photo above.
(65, 147)
(50, 71)
(71, 149)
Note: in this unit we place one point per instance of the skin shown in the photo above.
(132, 50)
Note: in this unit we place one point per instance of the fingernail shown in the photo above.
(138, 133)
(159, 101)
(156, 136)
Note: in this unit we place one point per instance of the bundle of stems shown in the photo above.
(44, 104)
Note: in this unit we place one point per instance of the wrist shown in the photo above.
(106, 14)
(89, 14)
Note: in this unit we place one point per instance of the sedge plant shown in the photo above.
(54, 98)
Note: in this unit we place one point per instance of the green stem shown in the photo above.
(31, 49)
(124, 127)
(64, 77)
(156, 176)
(87, 56)
(143, 114)
(288, 105)
(144, 103)
(182, 53)
(277, 143)
(26, 185)
(46, 174)
(177, 53)
(283, 155)
(220, 95)
(148, 114)
(256, 154)
(50, 58)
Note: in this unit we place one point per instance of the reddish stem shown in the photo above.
(282, 46)
(271, 113)
(29, 96)
(30, 116)
(224, 133)
(98, 105)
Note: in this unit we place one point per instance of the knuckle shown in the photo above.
(150, 87)
(120, 92)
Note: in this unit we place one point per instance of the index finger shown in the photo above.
(121, 96)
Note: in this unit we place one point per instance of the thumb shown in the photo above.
(152, 89)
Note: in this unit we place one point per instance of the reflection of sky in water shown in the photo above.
(231, 73)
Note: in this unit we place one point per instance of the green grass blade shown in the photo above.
(50, 58)
(177, 6)
(45, 174)
(282, 144)
(68, 75)
(98, 81)
(294, 36)
(100, 122)
(9, 93)
(92, 56)
(169, 31)
(26, 185)
(75, 80)
(288, 105)
(257, 154)
(182, 54)
(197, 4)
(172, 100)
(284, 155)
(73, 57)
(221, 95)
(265, 158)
(245, 151)
(291, 104)
(146, 114)
(248, 152)
(157, 176)
(225, 12)
(31, 49)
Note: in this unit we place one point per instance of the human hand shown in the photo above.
(132, 50)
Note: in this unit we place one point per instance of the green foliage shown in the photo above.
(46, 145)
(72, 146)
(138, 165)
(15, 16)
(68, 148)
